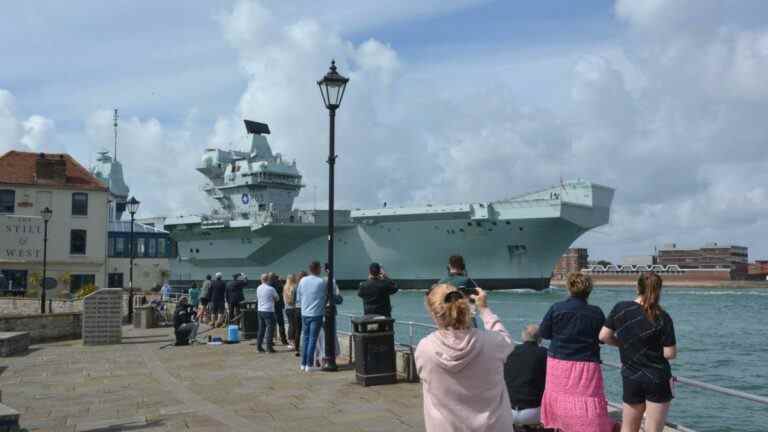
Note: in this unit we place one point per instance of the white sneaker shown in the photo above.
(303, 368)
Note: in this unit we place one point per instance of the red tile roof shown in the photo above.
(20, 168)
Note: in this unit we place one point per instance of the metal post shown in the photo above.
(45, 264)
(329, 325)
(130, 274)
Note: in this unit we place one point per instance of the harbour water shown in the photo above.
(721, 335)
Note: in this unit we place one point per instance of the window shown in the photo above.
(79, 204)
(152, 247)
(79, 281)
(120, 247)
(77, 241)
(7, 201)
(140, 247)
(161, 248)
(111, 247)
(115, 280)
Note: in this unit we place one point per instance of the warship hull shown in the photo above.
(508, 244)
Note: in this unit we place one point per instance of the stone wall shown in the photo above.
(103, 317)
(43, 328)
(31, 306)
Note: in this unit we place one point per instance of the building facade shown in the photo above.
(77, 231)
(710, 256)
(573, 260)
(151, 266)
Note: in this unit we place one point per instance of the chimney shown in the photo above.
(51, 170)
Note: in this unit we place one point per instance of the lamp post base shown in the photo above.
(329, 328)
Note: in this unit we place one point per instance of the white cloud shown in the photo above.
(31, 134)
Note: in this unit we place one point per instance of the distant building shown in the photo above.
(711, 256)
(758, 268)
(153, 246)
(77, 231)
(573, 260)
(639, 260)
(151, 266)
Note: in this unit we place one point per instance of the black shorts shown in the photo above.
(204, 302)
(638, 392)
(218, 308)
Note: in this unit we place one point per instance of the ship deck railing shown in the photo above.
(415, 329)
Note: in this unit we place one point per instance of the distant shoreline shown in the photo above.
(684, 284)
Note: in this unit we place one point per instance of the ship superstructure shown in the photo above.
(511, 243)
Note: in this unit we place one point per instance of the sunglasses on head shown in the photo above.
(450, 296)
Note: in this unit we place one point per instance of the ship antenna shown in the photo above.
(114, 124)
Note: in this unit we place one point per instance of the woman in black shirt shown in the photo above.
(645, 335)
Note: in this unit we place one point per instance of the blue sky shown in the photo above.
(449, 101)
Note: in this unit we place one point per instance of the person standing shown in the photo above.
(376, 291)
(205, 298)
(165, 292)
(234, 296)
(311, 295)
(457, 275)
(266, 296)
(645, 335)
(218, 289)
(460, 365)
(289, 298)
(525, 373)
(194, 299)
(277, 284)
(184, 329)
(574, 395)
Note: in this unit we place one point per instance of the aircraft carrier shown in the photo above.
(510, 243)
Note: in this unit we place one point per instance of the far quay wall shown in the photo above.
(31, 306)
(44, 328)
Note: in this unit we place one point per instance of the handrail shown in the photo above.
(683, 380)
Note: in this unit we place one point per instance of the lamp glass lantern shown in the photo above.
(133, 205)
(46, 213)
(332, 87)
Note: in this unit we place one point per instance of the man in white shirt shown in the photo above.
(266, 295)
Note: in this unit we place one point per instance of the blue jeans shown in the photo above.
(310, 328)
(266, 325)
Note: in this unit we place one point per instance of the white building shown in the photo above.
(153, 246)
(77, 231)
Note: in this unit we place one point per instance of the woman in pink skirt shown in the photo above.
(574, 398)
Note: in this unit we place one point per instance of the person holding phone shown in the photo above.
(460, 366)
(375, 292)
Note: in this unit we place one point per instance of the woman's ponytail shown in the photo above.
(649, 289)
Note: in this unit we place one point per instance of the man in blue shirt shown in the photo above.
(310, 294)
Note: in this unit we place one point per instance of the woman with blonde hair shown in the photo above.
(645, 335)
(291, 311)
(574, 396)
(461, 366)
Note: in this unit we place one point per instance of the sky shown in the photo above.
(461, 101)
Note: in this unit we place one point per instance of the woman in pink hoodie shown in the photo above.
(461, 367)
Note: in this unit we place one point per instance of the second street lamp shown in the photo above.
(47, 214)
(133, 207)
(332, 88)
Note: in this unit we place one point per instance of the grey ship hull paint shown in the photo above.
(501, 252)
(512, 243)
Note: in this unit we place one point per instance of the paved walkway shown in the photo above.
(146, 385)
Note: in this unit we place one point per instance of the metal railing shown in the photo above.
(413, 326)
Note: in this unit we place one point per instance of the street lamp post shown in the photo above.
(332, 87)
(133, 207)
(46, 213)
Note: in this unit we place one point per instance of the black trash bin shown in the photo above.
(249, 320)
(374, 340)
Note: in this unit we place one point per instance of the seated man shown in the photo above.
(184, 328)
(525, 372)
